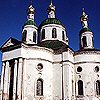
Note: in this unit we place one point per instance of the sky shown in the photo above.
(13, 15)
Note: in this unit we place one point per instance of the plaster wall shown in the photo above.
(88, 74)
(91, 57)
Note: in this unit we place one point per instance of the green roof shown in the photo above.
(30, 22)
(85, 30)
(51, 21)
(53, 44)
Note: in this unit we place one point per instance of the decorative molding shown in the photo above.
(31, 26)
(87, 52)
(39, 59)
(70, 51)
(82, 62)
(60, 62)
(53, 25)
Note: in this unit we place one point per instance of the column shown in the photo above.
(19, 85)
(9, 71)
(15, 79)
(6, 80)
(2, 79)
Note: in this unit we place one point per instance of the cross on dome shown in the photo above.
(30, 12)
(51, 10)
(84, 19)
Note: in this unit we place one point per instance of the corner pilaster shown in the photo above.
(2, 79)
(6, 82)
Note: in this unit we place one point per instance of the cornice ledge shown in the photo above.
(87, 52)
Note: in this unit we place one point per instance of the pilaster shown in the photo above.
(6, 80)
(19, 85)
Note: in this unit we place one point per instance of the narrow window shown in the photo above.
(54, 33)
(72, 86)
(84, 41)
(39, 88)
(11, 79)
(63, 36)
(34, 36)
(80, 87)
(98, 87)
(92, 42)
(24, 35)
(43, 34)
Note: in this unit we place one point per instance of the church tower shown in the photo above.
(52, 31)
(29, 31)
(87, 65)
(86, 35)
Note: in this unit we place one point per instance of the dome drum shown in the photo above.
(29, 34)
(52, 32)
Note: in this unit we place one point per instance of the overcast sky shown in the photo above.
(13, 15)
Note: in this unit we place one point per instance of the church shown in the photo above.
(42, 66)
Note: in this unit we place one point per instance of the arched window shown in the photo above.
(80, 87)
(84, 41)
(34, 36)
(63, 36)
(43, 34)
(54, 33)
(98, 87)
(39, 87)
(24, 35)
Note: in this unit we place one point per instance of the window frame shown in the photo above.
(98, 91)
(43, 34)
(34, 36)
(54, 33)
(80, 88)
(84, 41)
(37, 87)
(63, 36)
(24, 35)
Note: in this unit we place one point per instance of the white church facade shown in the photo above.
(42, 66)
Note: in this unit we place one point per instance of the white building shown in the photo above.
(43, 66)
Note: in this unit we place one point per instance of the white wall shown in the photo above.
(87, 62)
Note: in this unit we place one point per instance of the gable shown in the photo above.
(10, 43)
